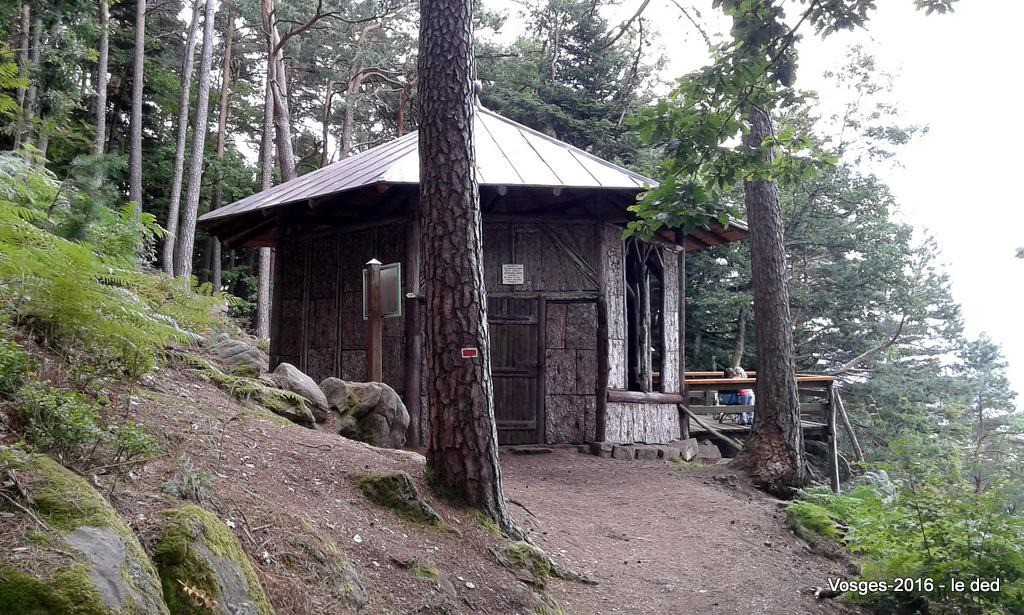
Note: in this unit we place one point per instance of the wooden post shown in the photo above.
(684, 421)
(374, 338)
(833, 450)
(601, 403)
(542, 415)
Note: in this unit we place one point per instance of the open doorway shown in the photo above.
(645, 307)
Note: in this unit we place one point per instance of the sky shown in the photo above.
(958, 74)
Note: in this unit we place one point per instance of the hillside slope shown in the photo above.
(656, 537)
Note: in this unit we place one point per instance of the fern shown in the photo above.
(243, 388)
(89, 295)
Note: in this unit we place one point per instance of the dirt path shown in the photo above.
(663, 538)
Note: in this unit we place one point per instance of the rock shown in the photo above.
(646, 452)
(623, 452)
(529, 450)
(668, 452)
(688, 448)
(106, 572)
(335, 391)
(602, 449)
(528, 558)
(395, 490)
(238, 357)
(708, 454)
(201, 560)
(301, 413)
(291, 378)
(370, 412)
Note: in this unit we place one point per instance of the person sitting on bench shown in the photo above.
(742, 397)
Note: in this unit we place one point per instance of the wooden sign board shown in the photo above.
(513, 275)
(390, 291)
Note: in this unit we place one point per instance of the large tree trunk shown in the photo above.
(283, 119)
(463, 442)
(25, 34)
(213, 244)
(138, 69)
(101, 80)
(187, 234)
(266, 181)
(774, 452)
(325, 124)
(35, 59)
(187, 64)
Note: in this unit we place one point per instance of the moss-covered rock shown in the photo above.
(528, 558)
(395, 490)
(104, 571)
(203, 567)
(812, 517)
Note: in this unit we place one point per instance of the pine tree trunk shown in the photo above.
(23, 52)
(774, 452)
(463, 442)
(138, 69)
(266, 181)
(35, 59)
(187, 233)
(283, 120)
(213, 244)
(325, 123)
(187, 65)
(98, 147)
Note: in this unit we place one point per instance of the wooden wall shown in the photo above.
(628, 422)
(319, 324)
(560, 262)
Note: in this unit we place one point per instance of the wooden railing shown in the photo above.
(815, 392)
(818, 400)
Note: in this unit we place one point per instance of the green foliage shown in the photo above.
(9, 80)
(814, 517)
(192, 484)
(930, 521)
(570, 76)
(87, 295)
(15, 363)
(66, 424)
(245, 388)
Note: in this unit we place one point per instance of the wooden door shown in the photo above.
(517, 355)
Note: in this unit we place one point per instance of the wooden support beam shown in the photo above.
(601, 404)
(641, 397)
(833, 449)
(710, 429)
(374, 339)
(581, 263)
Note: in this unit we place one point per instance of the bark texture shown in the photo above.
(138, 70)
(101, 80)
(213, 244)
(266, 181)
(463, 442)
(187, 234)
(187, 66)
(774, 452)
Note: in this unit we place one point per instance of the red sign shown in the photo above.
(470, 353)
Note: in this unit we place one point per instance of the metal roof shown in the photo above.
(507, 154)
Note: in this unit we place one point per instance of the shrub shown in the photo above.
(83, 289)
(67, 425)
(15, 364)
(930, 522)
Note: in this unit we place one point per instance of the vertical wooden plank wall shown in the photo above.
(670, 328)
(616, 296)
